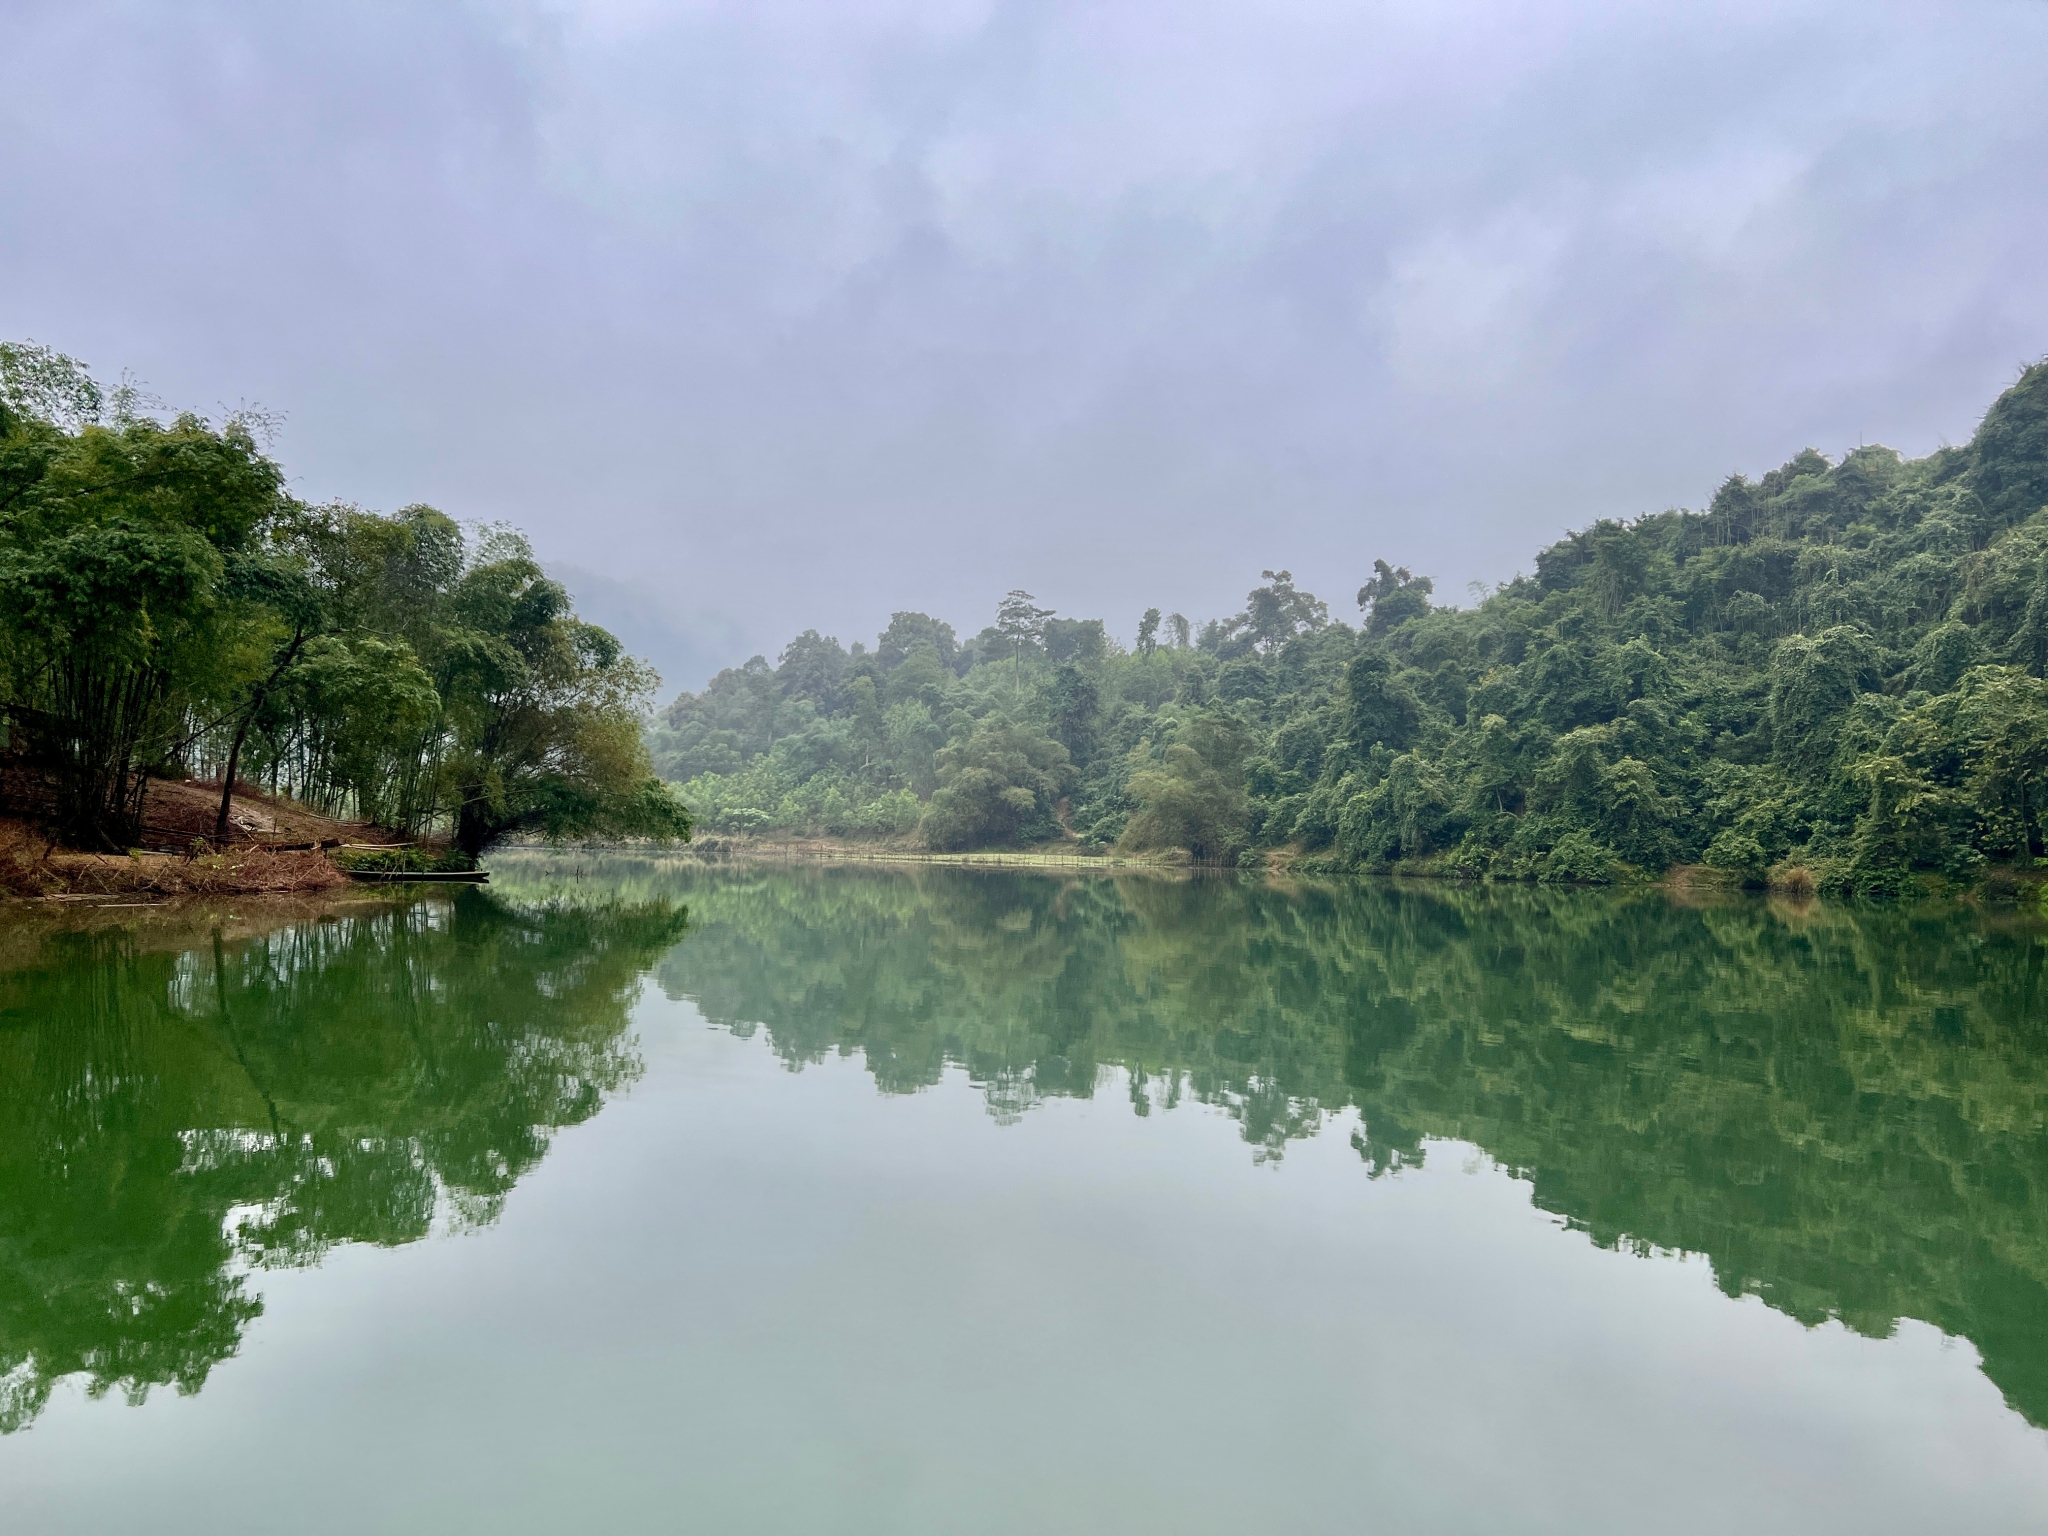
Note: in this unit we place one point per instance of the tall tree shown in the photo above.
(1277, 612)
(1021, 624)
(1391, 596)
(543, 713)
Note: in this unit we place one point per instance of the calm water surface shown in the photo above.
(640, 1197)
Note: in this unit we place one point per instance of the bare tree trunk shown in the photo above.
(227, 788)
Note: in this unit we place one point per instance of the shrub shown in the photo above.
(999, 785)
(1193, 798)
(1579, 860)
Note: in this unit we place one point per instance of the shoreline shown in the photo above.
(835, 850)
(275, 847)
(66, 877)
(2001, 885)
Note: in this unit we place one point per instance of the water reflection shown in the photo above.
(186, 1098)
(1846, 1111)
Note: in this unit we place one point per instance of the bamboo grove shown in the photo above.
(169, 610)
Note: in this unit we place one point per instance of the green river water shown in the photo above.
(629, 1195)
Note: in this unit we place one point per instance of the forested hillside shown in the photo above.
(1833, 673)
(169, 610)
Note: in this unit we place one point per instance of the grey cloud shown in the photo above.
(801, 314)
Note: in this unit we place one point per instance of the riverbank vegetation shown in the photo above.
(169, 611)
(1831, 678)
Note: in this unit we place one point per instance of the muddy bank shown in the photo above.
(33, 869)
(273, 846)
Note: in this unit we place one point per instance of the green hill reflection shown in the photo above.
(184, 1100)
(1845, 1111)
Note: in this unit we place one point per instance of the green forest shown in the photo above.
(1832, 678)
(168, 610)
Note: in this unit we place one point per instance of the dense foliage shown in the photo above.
(1834, 672)
(167, 608)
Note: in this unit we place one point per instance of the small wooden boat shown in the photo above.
(407, 876)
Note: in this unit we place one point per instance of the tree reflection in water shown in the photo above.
(183, 1100)
(1845, 1110)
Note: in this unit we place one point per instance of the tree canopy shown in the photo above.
(168, 609)
(1835, 668)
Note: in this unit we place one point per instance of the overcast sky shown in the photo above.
(768, 315)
